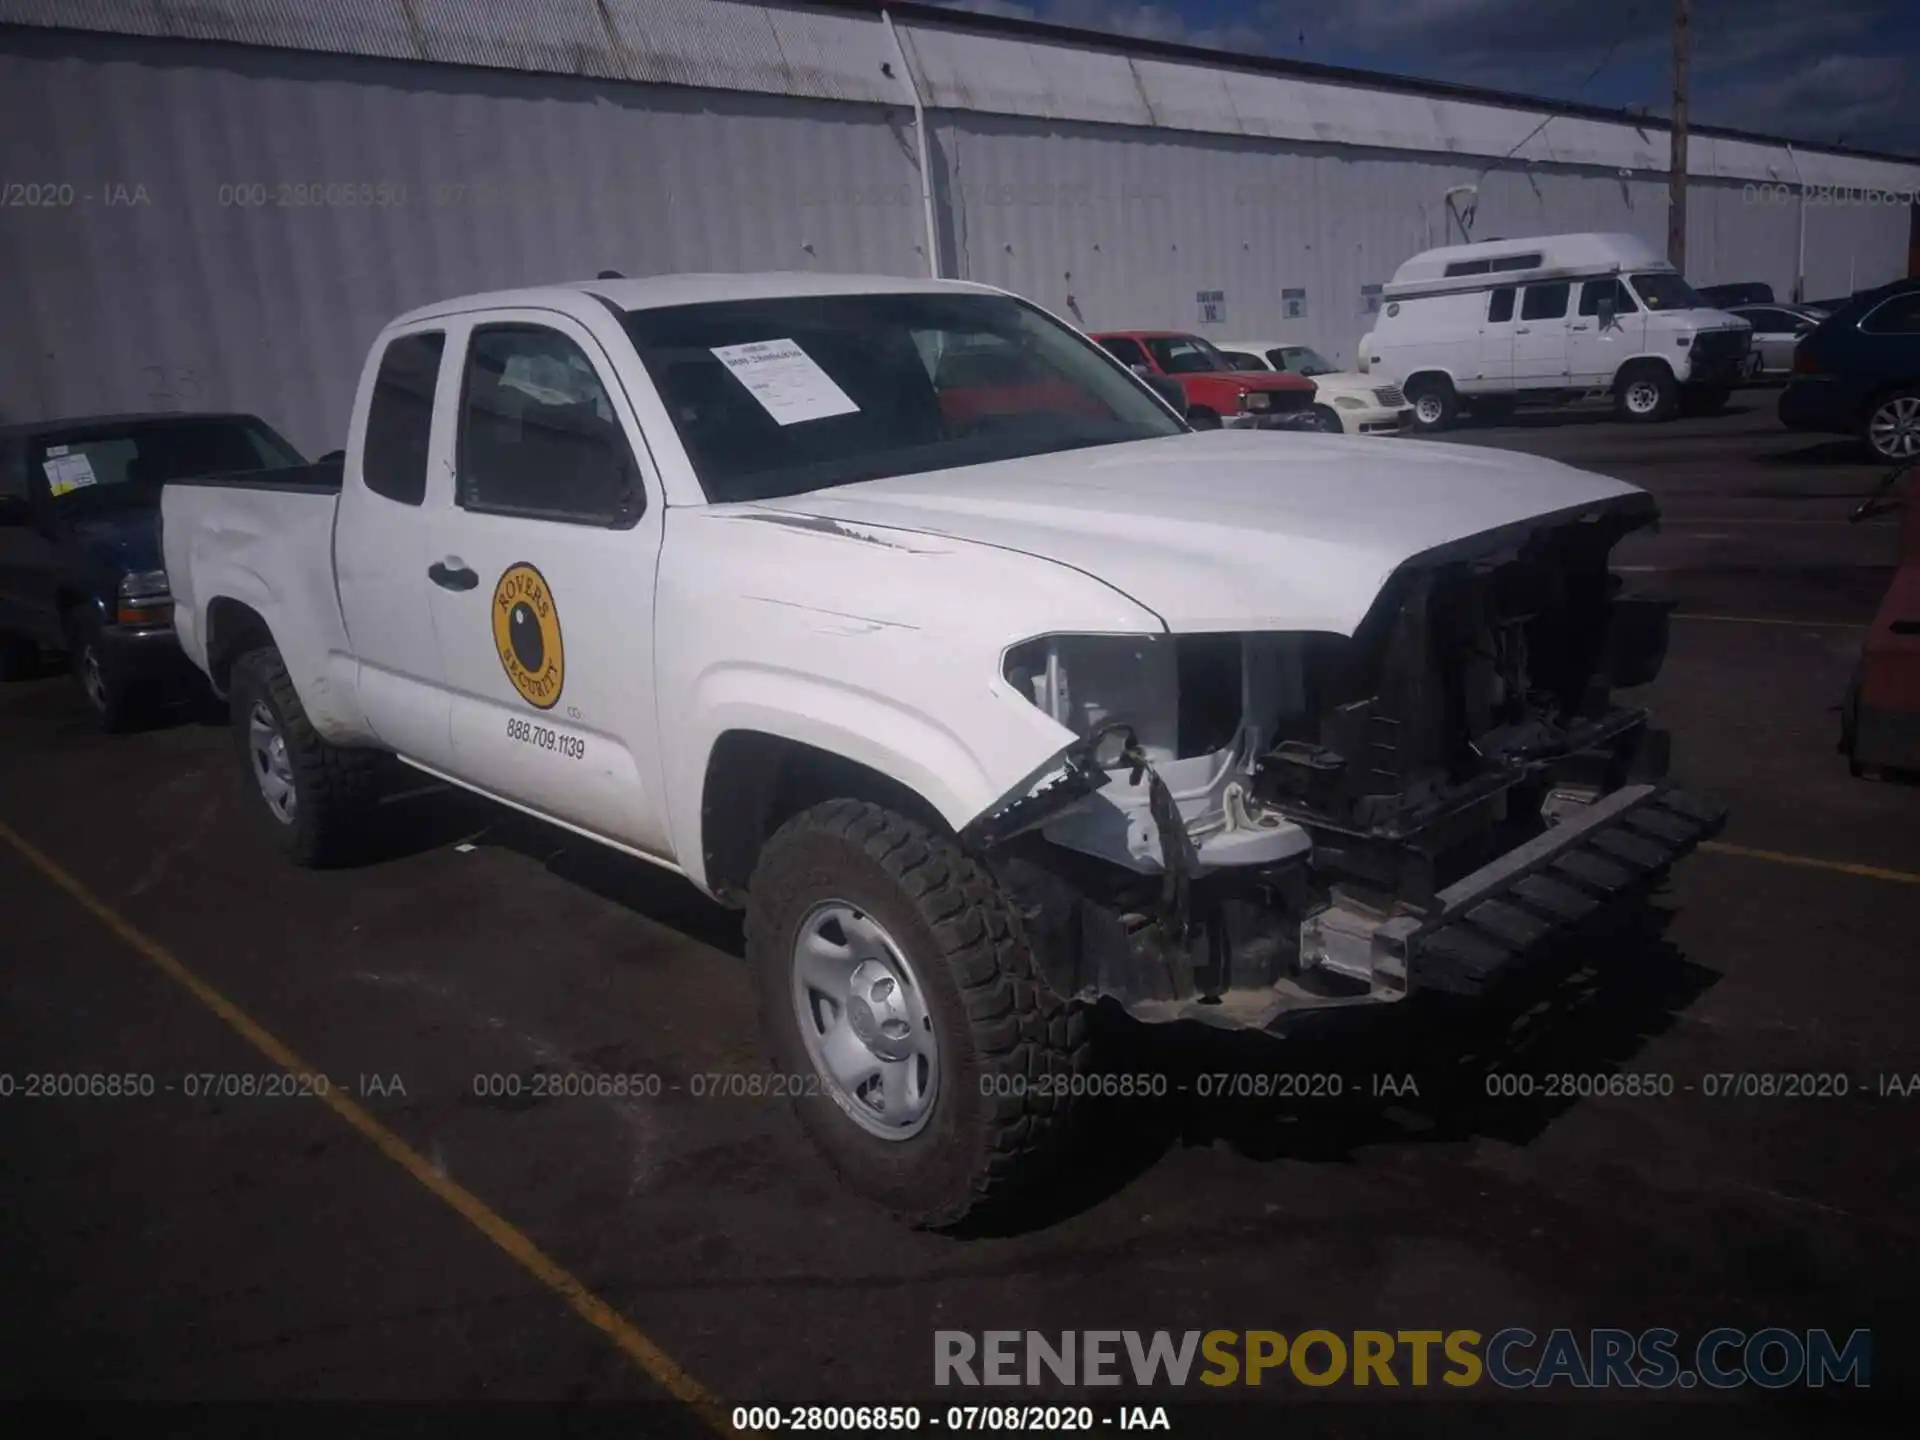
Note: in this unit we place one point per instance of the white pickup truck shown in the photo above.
(902, 616)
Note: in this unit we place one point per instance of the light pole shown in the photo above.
(1677, 164)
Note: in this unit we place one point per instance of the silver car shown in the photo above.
(1777, 329)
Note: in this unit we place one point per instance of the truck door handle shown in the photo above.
(1576, 327)
(1523, 330)
(452, 574)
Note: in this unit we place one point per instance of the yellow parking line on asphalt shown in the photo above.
(649, 1357)
(1809, 862)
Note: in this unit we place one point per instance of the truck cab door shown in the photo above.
(1540, 336)
(1599, 342)
(544, 561)
(381, 540)
(1495, 368)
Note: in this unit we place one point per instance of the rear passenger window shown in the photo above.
(1500, 307)
(538, 433)
(1898, 316)
(400, 419)
(1544, 302)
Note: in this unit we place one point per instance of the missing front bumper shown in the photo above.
(1487, 925)
(1492, 920)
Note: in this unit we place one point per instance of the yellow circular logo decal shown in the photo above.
(526, 635)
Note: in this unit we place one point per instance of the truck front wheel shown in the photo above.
(312, 795)
(1435, 403)
(112, 697)
(928, 1063)
(1646, 393)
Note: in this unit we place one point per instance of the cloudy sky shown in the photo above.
(1839, 71)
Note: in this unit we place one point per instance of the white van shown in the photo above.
(1552, 318)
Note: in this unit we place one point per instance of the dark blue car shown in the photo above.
(80, 563)
(1858, 373)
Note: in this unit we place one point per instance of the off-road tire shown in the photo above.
(999, 1027)
(1436, 404)
(335, 786)
(1666, 391)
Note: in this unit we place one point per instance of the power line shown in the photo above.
(1592, 75)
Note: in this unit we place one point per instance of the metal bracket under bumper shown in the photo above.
(1489, 920)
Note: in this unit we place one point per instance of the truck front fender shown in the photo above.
(925, 754)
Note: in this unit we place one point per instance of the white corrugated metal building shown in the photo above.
(216, 203)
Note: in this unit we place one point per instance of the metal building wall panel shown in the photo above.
(1014, 76)
(263, 259)
(561, 37)
(792, 49)
(962, 71)
(831, 56)
(343, 27)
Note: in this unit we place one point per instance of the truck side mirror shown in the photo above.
(1145, 372)
(1605, 306)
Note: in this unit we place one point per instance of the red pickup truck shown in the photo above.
(1218, 394)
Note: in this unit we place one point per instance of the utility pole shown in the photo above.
(1677, 164)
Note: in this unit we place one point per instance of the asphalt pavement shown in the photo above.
(431, 1231)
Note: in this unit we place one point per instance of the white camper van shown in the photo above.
(1552, 318)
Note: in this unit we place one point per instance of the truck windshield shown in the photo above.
(122, 465)
(1187, 355)
(1664, 290)
(786, 395)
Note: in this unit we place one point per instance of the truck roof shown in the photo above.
(656, 291)
(1515, 261)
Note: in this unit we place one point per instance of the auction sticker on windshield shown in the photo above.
(526, 634)
(788, 382)
(67, 471)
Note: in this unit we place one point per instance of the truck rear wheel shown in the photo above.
(931, 1066)
(312, 795)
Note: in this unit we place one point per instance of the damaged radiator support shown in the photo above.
(1459, 787)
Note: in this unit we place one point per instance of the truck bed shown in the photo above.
(262, 541)
(322, 477)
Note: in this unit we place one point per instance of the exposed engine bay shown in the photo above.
(1254, 823)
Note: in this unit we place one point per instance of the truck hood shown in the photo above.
(1276, 380)
(1235, 530)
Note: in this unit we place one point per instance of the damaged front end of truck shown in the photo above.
(1257, 823)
